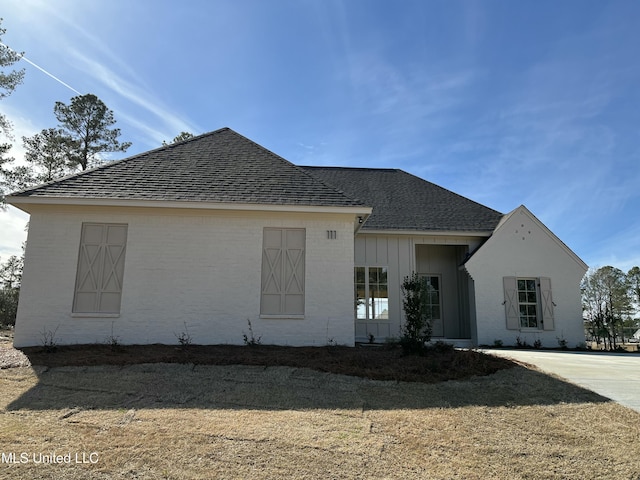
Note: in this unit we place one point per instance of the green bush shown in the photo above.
(416, 331)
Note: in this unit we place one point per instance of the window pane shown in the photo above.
(380, 309)
(373, 275)
(383, 276)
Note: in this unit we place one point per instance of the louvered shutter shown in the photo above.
(100, 268)
(546, 300)
(283, 264)
(511, 302)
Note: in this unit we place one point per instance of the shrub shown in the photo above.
(416, 330)
(250, 339)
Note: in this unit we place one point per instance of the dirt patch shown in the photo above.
(378, 363)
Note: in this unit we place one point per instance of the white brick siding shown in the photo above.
(524, 247)
(196, 267)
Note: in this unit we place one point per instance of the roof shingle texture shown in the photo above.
(402, 201)
(218, 167)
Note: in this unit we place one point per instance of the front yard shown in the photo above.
(174, 420)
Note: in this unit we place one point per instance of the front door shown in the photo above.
(434, 304)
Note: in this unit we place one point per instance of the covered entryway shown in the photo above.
(449, 289)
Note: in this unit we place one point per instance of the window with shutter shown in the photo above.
(100, 268)
(283, 271)
(528, 303)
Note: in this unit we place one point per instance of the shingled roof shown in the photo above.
(402, 201)
(226, 167)
(217, 167)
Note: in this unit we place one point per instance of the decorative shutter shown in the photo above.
(511, 302)
(283, 271)
(113, 268)
(546, 300)
(100, 268)
(272, 246)
(294, 272)
(90, 261)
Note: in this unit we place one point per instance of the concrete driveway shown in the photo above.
(612, 375)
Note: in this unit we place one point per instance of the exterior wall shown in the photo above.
(194, 267)
(398, 254)
(523, 247)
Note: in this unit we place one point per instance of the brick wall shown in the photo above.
(196, 267)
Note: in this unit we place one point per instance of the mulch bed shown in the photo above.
(374, 362)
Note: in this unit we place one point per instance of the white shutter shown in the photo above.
(511, 302)
(546, 300)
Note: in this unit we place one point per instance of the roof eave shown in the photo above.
(440, 233)
(23, 203)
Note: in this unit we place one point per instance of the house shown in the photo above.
(204, 236)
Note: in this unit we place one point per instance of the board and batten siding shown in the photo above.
(398, 254)
(186, 270)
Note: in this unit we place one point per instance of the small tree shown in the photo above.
(10, 277)
(416, 331)
(46, 156)
(85, 130)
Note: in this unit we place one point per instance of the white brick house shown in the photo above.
(208, 234)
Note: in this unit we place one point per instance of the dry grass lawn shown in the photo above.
(193, 420)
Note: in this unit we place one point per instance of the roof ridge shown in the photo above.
(339, 167)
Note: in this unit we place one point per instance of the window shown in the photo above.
(372, 293)
(528, 303)
(283, 265)
(433, 296)
(100, 268)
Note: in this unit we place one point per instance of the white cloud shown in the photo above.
(135, 94)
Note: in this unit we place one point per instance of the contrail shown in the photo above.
(44, 71)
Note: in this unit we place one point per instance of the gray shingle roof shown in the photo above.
(225, 167)
(402, 201)
(219, 167)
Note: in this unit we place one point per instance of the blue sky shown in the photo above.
(505, 102)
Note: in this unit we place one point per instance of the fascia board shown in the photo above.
(23, 203)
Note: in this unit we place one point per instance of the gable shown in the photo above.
(522, 243)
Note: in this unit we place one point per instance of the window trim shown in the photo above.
(367, 294)
(440, 299)
(536, 304)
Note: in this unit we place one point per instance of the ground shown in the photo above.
(200, 419)
(376, 362)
